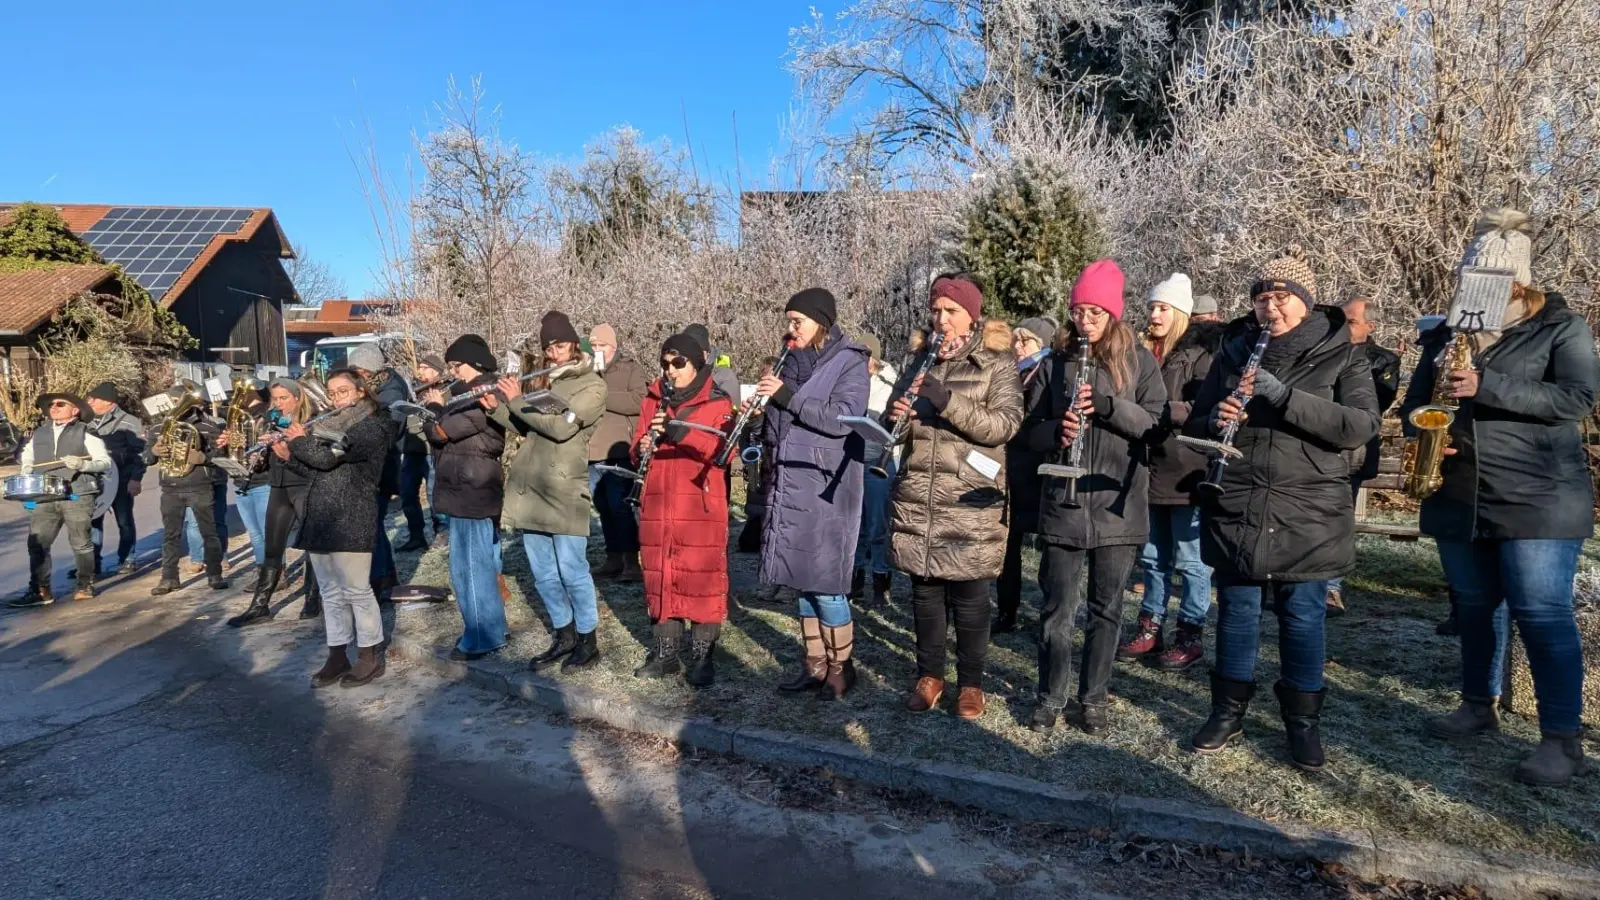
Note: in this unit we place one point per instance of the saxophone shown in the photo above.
(178, 439)
(1423, 454)
(242, 429)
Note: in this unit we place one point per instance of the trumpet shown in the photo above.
(750, 455)
(902, 424)
(1069, 461)
(1423, 455)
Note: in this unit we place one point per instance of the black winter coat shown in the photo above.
(342, 503)
(1114, 497)
(1176, 467)
(468, 480)
(1023, 484)
(1519, 471)
(1386, 382)
(1286, 512)
(395, 389)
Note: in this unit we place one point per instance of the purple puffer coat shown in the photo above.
(814, 502)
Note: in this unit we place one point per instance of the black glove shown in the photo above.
(1270, 389)
(934, 391)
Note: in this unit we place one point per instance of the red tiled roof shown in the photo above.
(30, 297)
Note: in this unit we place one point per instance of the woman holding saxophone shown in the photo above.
(1281, 520)
(813, 515)
(949, 509)
(1515, 502)
(1105, 390)
(345, 455)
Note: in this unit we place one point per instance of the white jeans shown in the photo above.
(349, 609)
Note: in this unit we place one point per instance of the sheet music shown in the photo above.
(868, 427)
(1481, 299)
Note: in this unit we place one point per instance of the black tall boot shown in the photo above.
(1302, 717)
(260, 609)
(313, 604)
(1229, 700)
(702, 651)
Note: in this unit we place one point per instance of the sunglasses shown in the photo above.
(676, 362)
(60, 404)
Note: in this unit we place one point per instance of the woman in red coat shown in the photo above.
(683, 513)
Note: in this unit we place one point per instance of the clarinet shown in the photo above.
(731, 443)
(1224, 450)
(1069, 460)
(902, 423)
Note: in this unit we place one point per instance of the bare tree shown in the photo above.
(313, 280)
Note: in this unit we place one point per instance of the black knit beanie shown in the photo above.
(687, 347)
(815, 304)
(474, 351)
(555, 327)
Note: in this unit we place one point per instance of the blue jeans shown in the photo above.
(1302, 611)
(1174, 545)
(560, 564)
(872, 544)
(832, 609)
(252, 506)
(219, 512)
(475, 579)
(1533, 581)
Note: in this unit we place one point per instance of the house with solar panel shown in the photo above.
(218, 269)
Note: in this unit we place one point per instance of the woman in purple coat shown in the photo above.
(814, 500)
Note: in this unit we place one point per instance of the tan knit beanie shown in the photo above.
(1288, 271)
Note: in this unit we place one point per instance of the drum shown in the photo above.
(23, 488)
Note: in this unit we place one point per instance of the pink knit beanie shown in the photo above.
(1100, 285)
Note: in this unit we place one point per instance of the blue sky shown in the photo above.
(262, 105)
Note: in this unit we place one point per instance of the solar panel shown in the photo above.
(155, 245)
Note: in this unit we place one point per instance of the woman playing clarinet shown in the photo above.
(1280, 520)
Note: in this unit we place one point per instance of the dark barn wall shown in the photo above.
(219, 317)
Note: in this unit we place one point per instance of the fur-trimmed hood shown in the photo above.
(1207, 336)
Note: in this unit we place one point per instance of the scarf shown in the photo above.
(674, 397)
(1284, 349)
(954, 345)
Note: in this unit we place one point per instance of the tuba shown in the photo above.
(178, 439)
(1424, 454)
(316, 394)
(242, 428)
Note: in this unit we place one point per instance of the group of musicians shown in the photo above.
(1224, 453)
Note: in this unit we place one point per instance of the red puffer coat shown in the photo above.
(683, 515)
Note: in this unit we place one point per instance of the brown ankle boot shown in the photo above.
(611, 568)
(631, 573)
(815, 669)
(926, 694)
(369, 665)
(841, 675)
(1557, 761)
(970, 704)
(1473, 717)
(338, 663)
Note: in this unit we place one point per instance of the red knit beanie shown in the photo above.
(1100, 285)
(963, 292)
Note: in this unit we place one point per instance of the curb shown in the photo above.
(1515, 876)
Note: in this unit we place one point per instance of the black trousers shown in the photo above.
(1061, 582)
(173, 545)
(932, 601)
(285, 508)
(1008, 588)
(127, 534)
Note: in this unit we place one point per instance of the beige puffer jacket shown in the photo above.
(949, 518)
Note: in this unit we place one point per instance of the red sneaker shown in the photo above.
(1187, 648)
(1146, 639)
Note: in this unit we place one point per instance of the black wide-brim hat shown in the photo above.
(45, 400)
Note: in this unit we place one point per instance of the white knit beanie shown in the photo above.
(1501, 242)
(1177, 292)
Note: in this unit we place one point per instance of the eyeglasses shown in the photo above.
(1279, 299)
(342, 393)
(675, 362)
(1087, 313)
